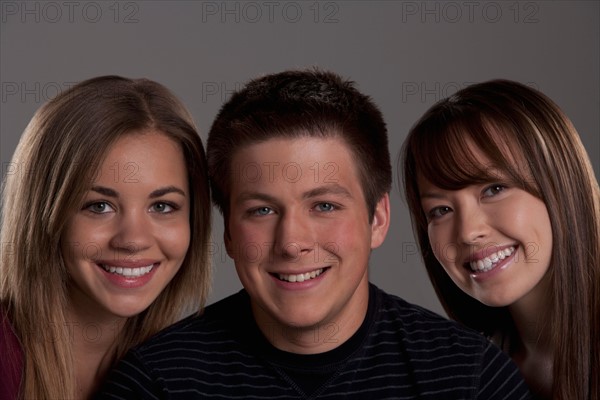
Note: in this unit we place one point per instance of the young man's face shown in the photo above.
(299, 233)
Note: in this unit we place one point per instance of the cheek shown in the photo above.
(174, 240)
(248, 243)
(83, 240)
(342, 237)
(443, 246)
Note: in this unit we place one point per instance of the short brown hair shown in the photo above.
(293, 104)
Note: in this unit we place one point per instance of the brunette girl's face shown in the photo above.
(494, 240)
(130, 235)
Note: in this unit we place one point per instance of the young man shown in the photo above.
(301, 172)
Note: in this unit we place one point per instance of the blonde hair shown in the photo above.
(512, 122)
(53, 164)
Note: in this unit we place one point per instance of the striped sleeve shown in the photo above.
(131, 380)
(500, 379)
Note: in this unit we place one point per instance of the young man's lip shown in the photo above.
(298, 272)
(486, 252)
(128, 263)
(285, 276)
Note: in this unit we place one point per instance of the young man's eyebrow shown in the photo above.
(328, 189)
(245, 196)
(166, 190)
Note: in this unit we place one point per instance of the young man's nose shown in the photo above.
(294, 236)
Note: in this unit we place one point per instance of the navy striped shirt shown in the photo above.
(401, 351)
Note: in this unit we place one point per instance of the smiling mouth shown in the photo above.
(488, 263)
(300, 277)
(128, 272)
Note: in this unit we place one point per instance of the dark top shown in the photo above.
(401, 351)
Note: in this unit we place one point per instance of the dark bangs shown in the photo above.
(441, 148)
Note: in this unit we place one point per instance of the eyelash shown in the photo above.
(257, 211)
(334, 207)
(88, 206)
(495, 186)
(431, 215)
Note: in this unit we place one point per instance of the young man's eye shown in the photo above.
(493, 190)
(163, 208)
(98, 207)
(261, 211)
(325, 207)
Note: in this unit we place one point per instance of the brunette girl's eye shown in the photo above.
(493, 190)
(438, 212)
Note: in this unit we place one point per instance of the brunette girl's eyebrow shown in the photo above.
(169, 189)
(432, 195)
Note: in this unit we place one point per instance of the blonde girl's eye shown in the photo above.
(99, 207)
(163, 208)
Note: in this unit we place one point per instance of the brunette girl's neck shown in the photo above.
(531, 346)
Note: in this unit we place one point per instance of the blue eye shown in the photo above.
(99, 207)
(163, 208)
(493, 190)
(325, 207)
(262, 211)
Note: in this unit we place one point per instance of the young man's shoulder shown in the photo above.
(413, 319)
(426, 335)
(219, 322)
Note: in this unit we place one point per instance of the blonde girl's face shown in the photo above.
(130, 235)
(494, 240)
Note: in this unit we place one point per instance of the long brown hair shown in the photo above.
(512, 122)
(59, 152)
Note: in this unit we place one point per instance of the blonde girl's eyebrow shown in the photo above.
(156, 193)
(166, 190)
(105, 191)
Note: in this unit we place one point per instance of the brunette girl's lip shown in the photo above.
(497, 260)
(487, 251)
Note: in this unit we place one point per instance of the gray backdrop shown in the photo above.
(405, 54)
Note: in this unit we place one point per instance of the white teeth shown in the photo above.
(488, 263)
(128, 272)
(301, 277)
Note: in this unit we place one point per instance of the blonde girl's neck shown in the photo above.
(94, 342)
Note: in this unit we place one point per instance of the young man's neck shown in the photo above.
(319, 338)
